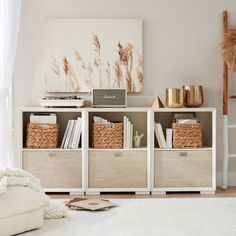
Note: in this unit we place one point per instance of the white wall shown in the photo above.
(181, 46)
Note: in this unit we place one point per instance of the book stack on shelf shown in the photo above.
(160, 136)
(127, 133)
(71, 138)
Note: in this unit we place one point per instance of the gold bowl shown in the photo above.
(174, 97)
(193, 95)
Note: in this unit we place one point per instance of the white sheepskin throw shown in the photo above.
(18, 177)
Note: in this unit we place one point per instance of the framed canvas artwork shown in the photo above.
(81, 54)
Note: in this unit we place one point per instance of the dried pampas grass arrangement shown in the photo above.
(229, 49)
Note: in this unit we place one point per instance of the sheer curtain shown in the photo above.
(9, 27)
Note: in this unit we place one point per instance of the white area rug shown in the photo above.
(149, 217)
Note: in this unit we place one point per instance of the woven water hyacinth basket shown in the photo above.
(106, 137)
(187, 135)
(42, 135)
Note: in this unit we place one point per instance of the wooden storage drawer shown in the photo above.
(117, 169)
(55, 169)
(182, 169)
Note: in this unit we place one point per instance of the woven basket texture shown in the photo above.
(104, 137)
(187, 135)
(42, 136)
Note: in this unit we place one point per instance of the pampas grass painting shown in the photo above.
(81, 54)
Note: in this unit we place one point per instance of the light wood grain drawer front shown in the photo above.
(118, 169)
(55, 169)
(183, 169)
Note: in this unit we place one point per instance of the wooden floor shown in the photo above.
(230, 192)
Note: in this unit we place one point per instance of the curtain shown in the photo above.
(9, 27)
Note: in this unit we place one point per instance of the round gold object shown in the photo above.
(174, 97)
(193, 95)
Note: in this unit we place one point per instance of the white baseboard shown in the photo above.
(231, 179)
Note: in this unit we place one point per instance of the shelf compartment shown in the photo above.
(53, 168)
(62, 120)
(137, 118)
(183, 168)
(204, 117)
(117, 169)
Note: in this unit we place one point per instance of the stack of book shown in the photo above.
(162, 142)
(71, 138)
(127, 133)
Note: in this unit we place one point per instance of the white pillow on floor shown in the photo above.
(17, 203)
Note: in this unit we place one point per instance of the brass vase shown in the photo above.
(193, 95)
(174, 97)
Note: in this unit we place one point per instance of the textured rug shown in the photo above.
(150, 217)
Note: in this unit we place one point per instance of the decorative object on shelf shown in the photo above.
(42, 135)
(137, 139)
(81, 54)
(174, 97)
(157, 103)
(229, 48)
(61, 101)
(109, 97)
(193, 95)
(187, 135)
(106, 134)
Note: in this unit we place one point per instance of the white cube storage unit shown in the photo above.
(59, 170)
(120, 170)
(185, 169)
(141, 170)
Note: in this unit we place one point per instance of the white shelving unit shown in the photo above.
(189, 169)
(91, 171)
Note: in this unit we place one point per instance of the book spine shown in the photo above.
(68, 134)
(72, 133)
(79, 133)
(169, 137)
(124, 131)
(131, 135)
(73, 145)
(157, 136)
(161, 134)
(128, 134)
(65, 134)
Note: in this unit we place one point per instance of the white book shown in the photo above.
(157, 136)
(79, 133)
(124, 131)
(43, 119)
(72, 133)
(65, 134)
(76, 133)
(169, 137)
(131, 135)
(161, 135)
(128, 134)
(66, 145)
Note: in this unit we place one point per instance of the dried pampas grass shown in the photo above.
(229, 49)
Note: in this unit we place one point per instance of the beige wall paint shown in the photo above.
(181, 46)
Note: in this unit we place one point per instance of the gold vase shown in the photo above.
(174, 97)
(193, 95)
